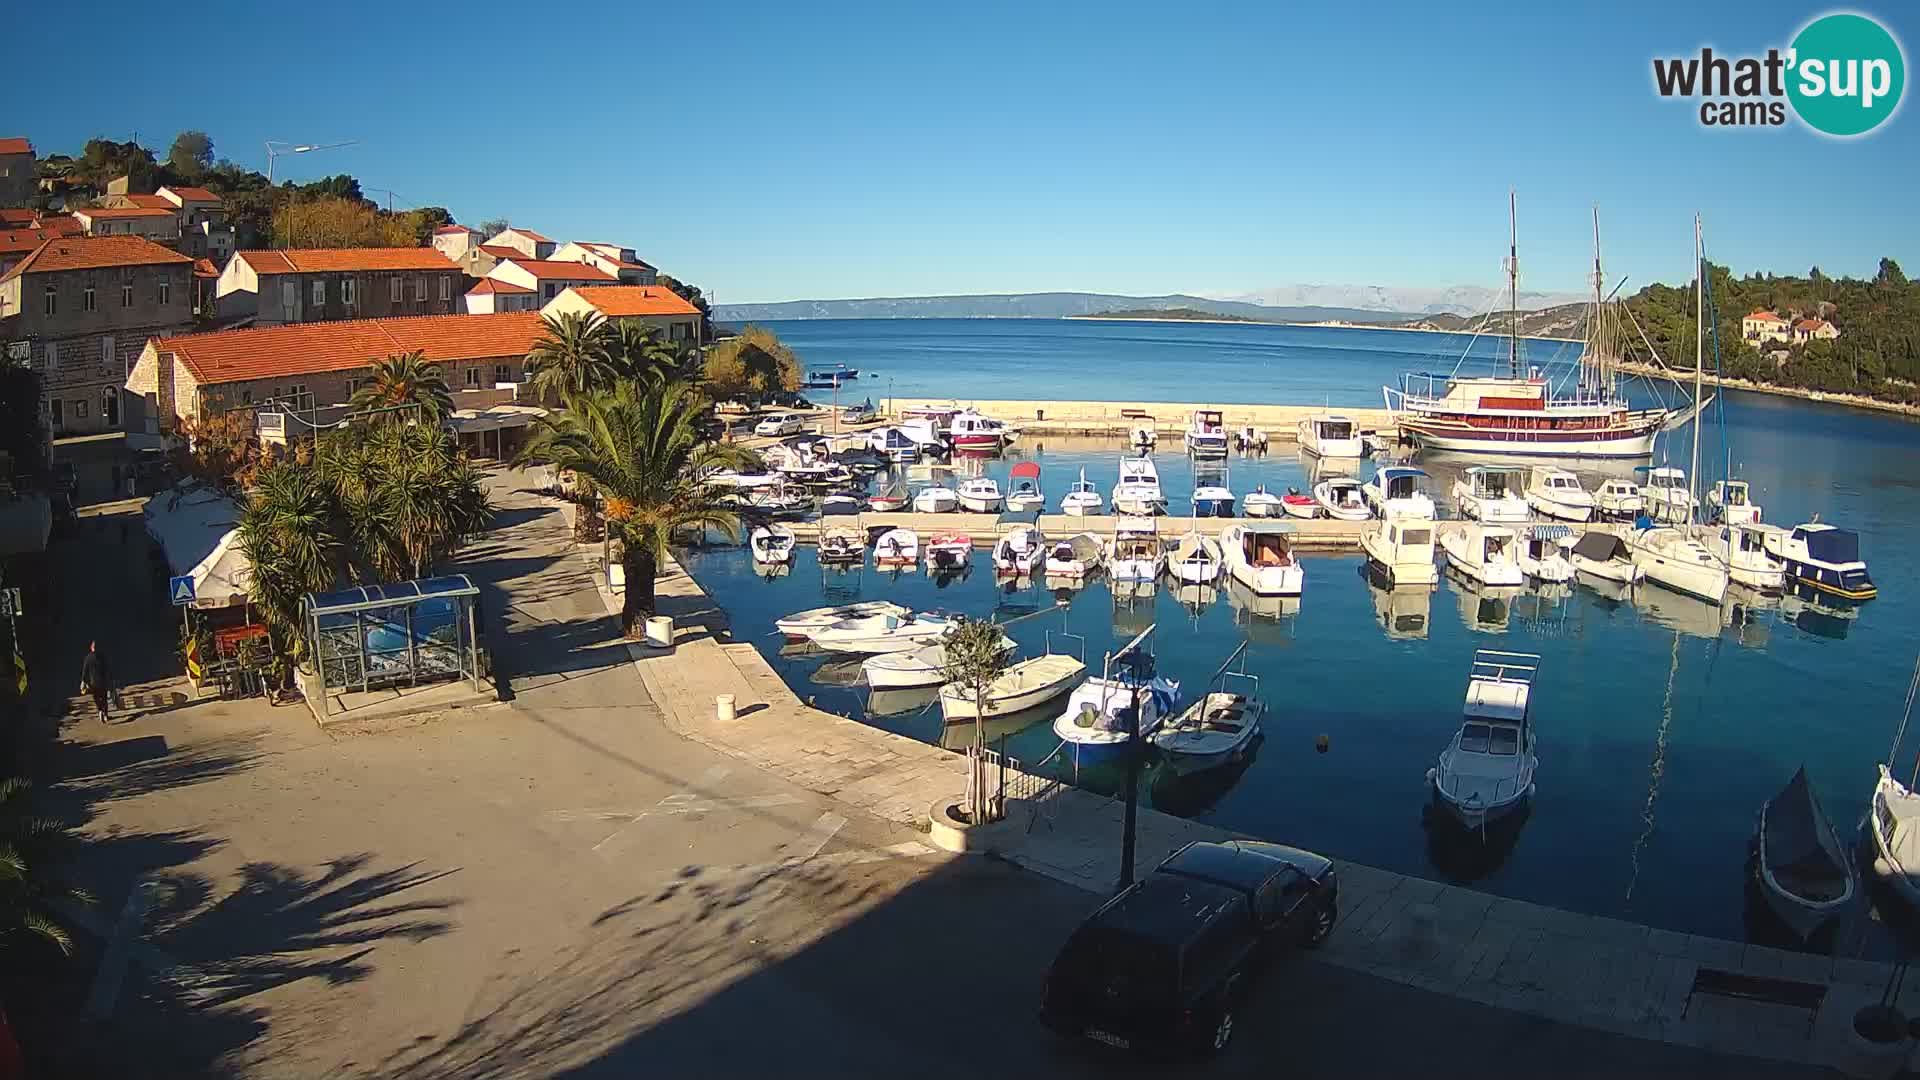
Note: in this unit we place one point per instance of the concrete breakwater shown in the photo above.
(1279, 422)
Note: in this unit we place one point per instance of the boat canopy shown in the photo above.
(1800, 840)
(1017, 517)
(1084, 547)
(1600, 547)
(831, 508)
(1027, 470)
(1551, 532)
(1832, 545)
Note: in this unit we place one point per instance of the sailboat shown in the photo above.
(1894, 817)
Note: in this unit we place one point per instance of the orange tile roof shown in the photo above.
(313, 348)
(151, 202)
(1809, 324)
(15, 146)
(20, 241)
(531, 235)
(452, 229)
(617, 301)
(119, 212)
(18, 217)
(205, 268)
(194, 194)
(501, 251)
(337, 260)
(489, 285)
(571, 271)
(1764, 316)
(94, 252)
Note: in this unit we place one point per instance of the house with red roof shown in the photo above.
(1764, 326)
(528, 243)
(455, 241)
(653, 306)
(492, 296)
(296, 285)
(619, 261)
(546, 278)
(18, 242)
(158, 224)
(17, 176)
(1805, 330)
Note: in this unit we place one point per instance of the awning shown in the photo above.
(194, 526)
(496, 418)
(1551, 532)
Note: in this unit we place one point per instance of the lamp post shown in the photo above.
(279, 148)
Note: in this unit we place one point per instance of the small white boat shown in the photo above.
(841, 503)
(950, 551)
(1260, 556)
(1894, 822)
(925, 666)
(935, 499)
(1805, 873)
(894, 497)
(1330, 435)
(1213, 499)
(1136, 553)
(1619, 500)
(981, 495)
(1486, 772)
(971, 431)
(1486, 553)
(770, 544)
(929, 432)
(1558, 493)
(895, 445)
(1143, 436)
(1398, 491)
(883, 633)
(1025, 685)
(1743, 548)
(1666, 495)
(1672, 558)
(1251, 438)
(1219, 727)
(1138, 489)
(1823, 557)
(1491, 494)
(1206, 436)
(801, 624)
(1195, 559)
(1024, 492)
(842, 541)
(1075, 557)
(1020, 550)
(1606, 557)
(1340, 497)
(1082, 498)
(896, 548)
(1095, 723)
(1731, 503)
(1299, 504)
(1261, 503)
(1401, 548)
(1541, 556)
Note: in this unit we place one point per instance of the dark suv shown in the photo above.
(1162, 965)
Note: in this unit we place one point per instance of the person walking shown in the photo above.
(96, 679)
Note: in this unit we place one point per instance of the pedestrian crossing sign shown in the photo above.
(180, 589)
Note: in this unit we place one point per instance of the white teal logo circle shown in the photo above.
(1847, 74)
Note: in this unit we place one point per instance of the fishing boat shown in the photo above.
(1261, 503)
(1340, 497)
(1805, 874)
(1214, 498)
(883, 633)
(1517, 411)
(1619, 500)
(1541, 557)
(1666, 494)
(1220, 726)
(1025, 491)
(891, 498)
(1492, 494)
(1099, 719)
(1606, 557)
(1138, 489)
(1206, 436)
(771, 543)
(950, 552)
(1823, 557)
(924, 666)
(801, 625)
(1260, 556)
(896, 549)
(936, 499)
(1143, 437)
(1399, 491)
(1674, 559)
(1082, 498)
(1020, 549)
(980, 495)
(1251, 439)
(1136, 553)
(1330, 435)
(1195, 559)
(1730, 502)
(1558, 493)
(825, 378)
(1401, 549)
(842, 541)
(970, 430)
(1076, 557)
(1299, 504)
(1486, 772)
(1025, 685)
(863, 413)
(1484, 553)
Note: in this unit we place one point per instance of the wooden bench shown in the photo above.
(1765, 989)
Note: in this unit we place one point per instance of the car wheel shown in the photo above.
(1323, 921)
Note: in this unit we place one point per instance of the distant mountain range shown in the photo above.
(1455, 299)
(1052, 305)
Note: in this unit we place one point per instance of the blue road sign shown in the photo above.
(181, 589)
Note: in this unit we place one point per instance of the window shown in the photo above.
(53, 299)
(79, 408)
(346, 291)
(446, 288)
(502, 373)
(106, 351)
(473, 377)
(53, 356)
(319, 294)
(289, 295)
(550, 289)
(422, 295)
(297, 394)
(246, 397)
(126, 292)
(353, 386)
(393, 290)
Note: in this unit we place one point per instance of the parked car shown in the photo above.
(1163, 965)
(780, 424)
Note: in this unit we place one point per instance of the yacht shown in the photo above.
(1330, 436)
(1486, 553)
(1401, 547)
(1143, 437)
(1260, 556)
(1398, 491)
(1541, 556)
(1206, 435)
(1195, 559)
(896, 549)
(969, 430)
(1486, 772)
(1731, 503)
(1619, 500)
(935, 499)
(1251, 440)
(1136, 553)
(1025, 685)
(980, 495)
(1082, 498)
(1743, 548)
(1138, 489)
(771, 543)
(1340, 497)
(891, 498)
(1492, 494)
(1823, 557)
(1025, 493)
(1894, 822)
(1558, 493)
(1666, 494)
(1673, 559)
(1261, 503)
(842, 540)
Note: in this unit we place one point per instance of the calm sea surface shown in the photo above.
(1663, 722)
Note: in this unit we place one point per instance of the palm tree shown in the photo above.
(25, 888)
(572, 357)
(289, 534)
(639, 447)
(638, 352)
(406, 379)
(406, 496)
(974, 658)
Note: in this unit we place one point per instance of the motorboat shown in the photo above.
(1558, 493)
(883, 633)
(970, 430)
(894, 444)
(1399, 491)
(801, 625)
(1743, 548)
(936, 499)
(1299, 504)
(1082, 498)
(1401, 548)
(1195, 559)
(771, 543)
(1340, 497)
(1730, 502)
(1025, 685)
(1330, 435)
(896, 548)
(924, 666)
(1260, 556)
(1605, 556)
(829, 378)
(1020, 550)
(1619, 500)
(950, 551)
(1143, 437)
(1822, 557)
(862, 460)
(1894, 822)
(1024, 493)
(1486, 553)
(1206, 435)
(980, 495)
(1805, 873)
(1673, 559)
(773, 502)
(1492, 494)
(1138, 489)
(841, 502)
(1261, 503)
(929, 432)
(891, 498)
(863, 413)
(1486, 772)
(819, 476)
(1214, 499)
(1076, 557)
(1136, 553)
(1219, 727)
(1095, 723)
(842, 541)
(1251, 439)
(1541, 556)
(1666, 496)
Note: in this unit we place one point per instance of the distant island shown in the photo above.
(1186, 314)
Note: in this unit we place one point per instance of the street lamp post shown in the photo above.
(279, 148)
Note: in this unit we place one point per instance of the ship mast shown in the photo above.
(1602, 368)
(1513, 288)
(1699, 354)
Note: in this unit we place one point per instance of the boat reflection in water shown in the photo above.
(1816, 613)
(1193, 794)
(1261, 618)
(1462, 855)
(841, 671)
(1403, 612)
(1196, 597)
(902, 701)
(1133, 605)
(1318, 468)
(958, 735)
(770, 571)
(1486, 609)
(1742, 617)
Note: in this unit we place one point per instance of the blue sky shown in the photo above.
(797, 151)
